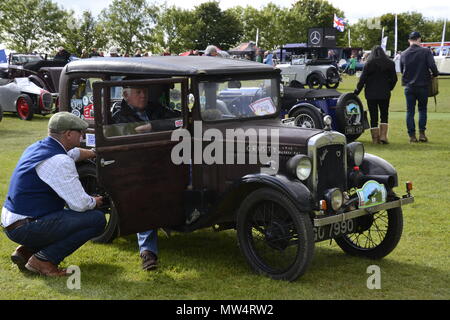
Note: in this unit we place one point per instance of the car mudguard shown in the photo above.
(296, 191)
(307, 105)
(373, 165)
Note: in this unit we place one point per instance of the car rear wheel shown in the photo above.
(24, 107)
(378, 238)
(333, 85)
(314, 81)
(275, 238)
(88, 179)
(306, 118)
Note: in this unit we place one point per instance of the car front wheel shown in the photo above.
(379, 235)
(24, 107)
(276, 239)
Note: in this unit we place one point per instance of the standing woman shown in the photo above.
(378, 78)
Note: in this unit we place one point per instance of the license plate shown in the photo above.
(354, 130)
(334, 230)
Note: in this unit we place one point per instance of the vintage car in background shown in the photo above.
(302, 66)
(25, 98)
(227, 162)
(308, 108)
(43, 72)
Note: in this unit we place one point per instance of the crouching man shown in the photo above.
(43, 182)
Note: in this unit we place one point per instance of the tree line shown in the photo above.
(41, 25)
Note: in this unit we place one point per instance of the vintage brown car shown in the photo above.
(227, 163)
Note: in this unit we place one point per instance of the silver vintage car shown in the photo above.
(25, 98)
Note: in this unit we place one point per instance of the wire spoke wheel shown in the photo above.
(305, 121)
(374, 235)
(275, 238)
(379, 234)
(88, 179)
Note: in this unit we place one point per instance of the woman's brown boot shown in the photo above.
(384, 133)
(375, 132)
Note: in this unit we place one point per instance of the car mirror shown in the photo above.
(234, 84)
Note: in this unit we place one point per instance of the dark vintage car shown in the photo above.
(308, 107)
(228, 164)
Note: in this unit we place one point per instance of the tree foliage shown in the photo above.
(217, 27)
(130, 24)
(27, 25)
(365, 35)
(83, 33)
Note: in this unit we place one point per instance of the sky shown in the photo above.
(354, 9)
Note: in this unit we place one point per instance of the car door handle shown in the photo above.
(105, 163)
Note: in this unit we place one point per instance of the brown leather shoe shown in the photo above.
(149, 260)
(413, 139)
(422, 137)
(21, 256)
(45, 268)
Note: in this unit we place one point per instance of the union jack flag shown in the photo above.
(339, 23)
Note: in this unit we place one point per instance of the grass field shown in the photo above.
(209, 265)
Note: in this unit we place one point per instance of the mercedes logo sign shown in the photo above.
(315, 37)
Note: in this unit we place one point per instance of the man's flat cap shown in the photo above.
(63, 121)
(414, 35)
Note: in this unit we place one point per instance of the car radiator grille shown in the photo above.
(330, 168)
(47, 101)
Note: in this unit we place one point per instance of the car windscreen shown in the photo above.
(238, 99)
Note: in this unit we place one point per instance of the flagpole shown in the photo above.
(349, 38)
(396, 35)
(257, 36)
(441, 52)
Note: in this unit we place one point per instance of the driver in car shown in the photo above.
(138, 114)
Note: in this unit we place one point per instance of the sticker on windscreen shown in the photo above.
(263, 107)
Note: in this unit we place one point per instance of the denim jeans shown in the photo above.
(413, 94)
(57, 235)
(148, 240)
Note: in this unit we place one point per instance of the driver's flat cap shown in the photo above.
(63, 121)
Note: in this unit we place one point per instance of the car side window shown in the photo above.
(81, 98)
(143, 109)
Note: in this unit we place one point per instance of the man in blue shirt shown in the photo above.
(417, 66)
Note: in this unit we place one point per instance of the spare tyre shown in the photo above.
(350, 116)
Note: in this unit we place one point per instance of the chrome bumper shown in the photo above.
(320, 222)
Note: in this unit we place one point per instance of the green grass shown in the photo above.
(209, 265)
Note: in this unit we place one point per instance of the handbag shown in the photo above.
(433, 87)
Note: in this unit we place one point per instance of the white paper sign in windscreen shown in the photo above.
(263, 107)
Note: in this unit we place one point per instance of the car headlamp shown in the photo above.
(300, 166)
(355, 153)
(334, 198)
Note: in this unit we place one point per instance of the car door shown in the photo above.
(136, 169)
